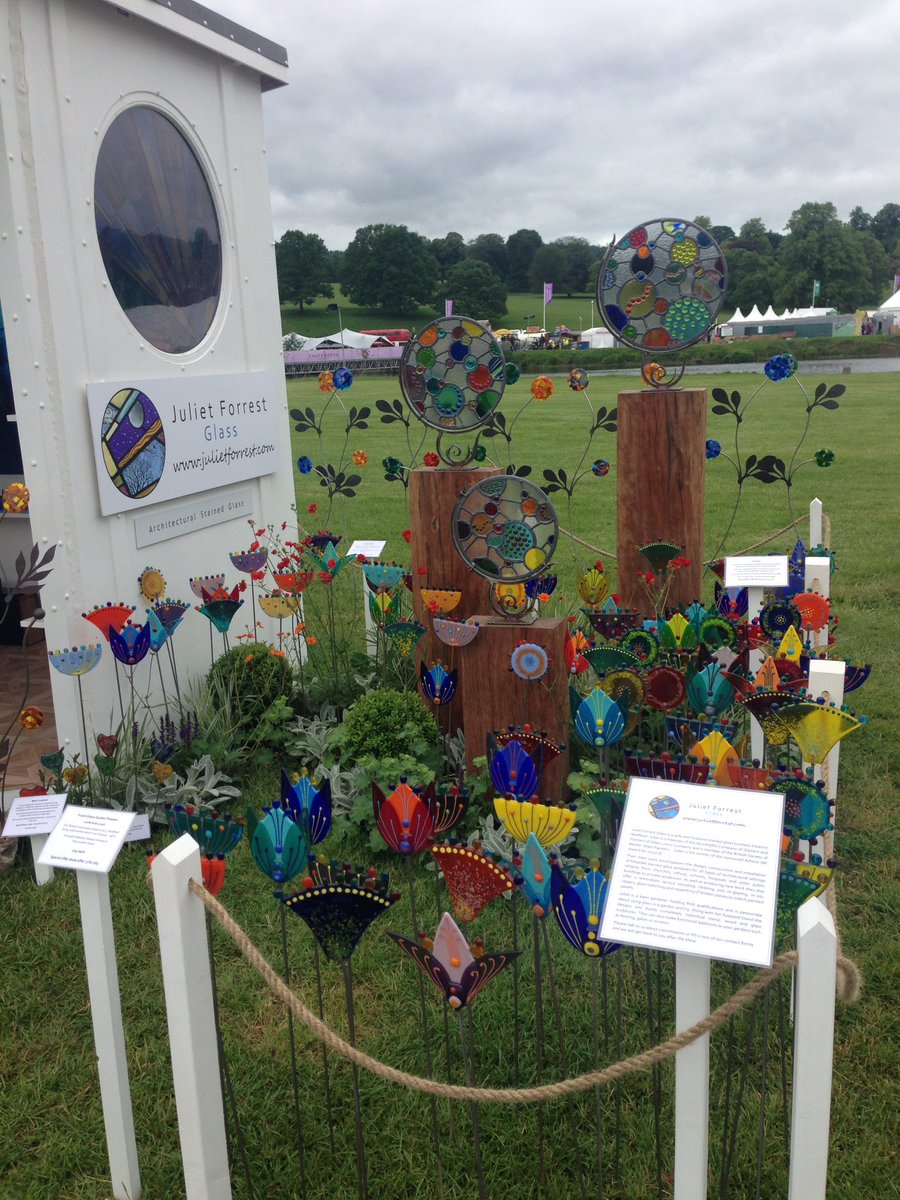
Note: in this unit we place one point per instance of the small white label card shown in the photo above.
(140, 828)
(86, 839)
(369, 549)
(34, 814)
(696, 871)
(757, 571)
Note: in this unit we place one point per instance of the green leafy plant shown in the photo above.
(253, 678)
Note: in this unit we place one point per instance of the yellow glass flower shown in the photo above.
(161, 771)
(440, 600)
(326, 381)
(720, 753)
(593, 587)
(279, 607)
(549, 824)
(543, 387)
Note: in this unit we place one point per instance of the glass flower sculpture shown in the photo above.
(438, 684)
(455, 633)
(109, 616)
(205, 586)
(309, 804)
(472, 879)
(579, 909)
(278, 843)
(248, 561)
(522, 819)
(77, 661)
(339, 905)
(533, 877)
(598, 719)
(220, 609)
(212, 833)
(404, 818)
(171, 613)
(450, 964)
(131, 645)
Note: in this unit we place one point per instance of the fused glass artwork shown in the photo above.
(449, 805)
(452, 374)
(309, 803)
(213, 834)
(661, 286)
(278, 844)
(598, 719)
(505, 529)
(438, 685)
(341, 908)
(77, 661)
(534, 876)
(440, 600)
(450, 964)
(815, 727)
(529, 661)
(797, 882)
(513, 771)
(721, 755)
(549, 823)
(472, 879)
(510, 599)
(455, 633)
(133, 443)
(665, 688)
(807, 812)
(158, 231)
(404, 818)
(664, 766)
(536, 742)
(579, 908)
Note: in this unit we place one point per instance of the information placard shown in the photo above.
(29, 815)
(86, 839)
(139, 830)
(757, 570)
(370, 549)
(696, 871)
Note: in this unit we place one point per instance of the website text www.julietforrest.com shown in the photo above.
(217, 456)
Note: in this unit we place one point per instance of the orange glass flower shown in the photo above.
(31, 717)
(16, 498)
(360, 458)
(543, 387)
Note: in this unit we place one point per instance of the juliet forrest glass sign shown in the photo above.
(163, 438)
(696, 871)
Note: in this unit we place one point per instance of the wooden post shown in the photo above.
(493, 697)
(691, 1080)
(813, 1051)
(109, 1036)
(192, 1029)
(661, 475)
(432, 497)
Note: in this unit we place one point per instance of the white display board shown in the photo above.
(757, 571)
(86, 839)
(30, 815)
(696, 871)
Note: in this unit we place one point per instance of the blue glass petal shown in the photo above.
(513, 772)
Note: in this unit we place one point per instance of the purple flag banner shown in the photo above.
(548, 292)
(897, 283)
(448, 308)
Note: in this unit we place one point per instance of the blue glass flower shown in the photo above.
(278, 844)
(541, 585)
(304, 464)
(513, 772)
(343, 378)
(131, 645)
(535, 876)
(780, 366)
(77, 661)
(212, 833)
(438, 685)
(598, 719)
(158, 631)
(713, 448)
(600, 468)
(309, 805)
(171, 613)
(220, 612)
(579, 910)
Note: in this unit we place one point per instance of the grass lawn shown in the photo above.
(49, 1100)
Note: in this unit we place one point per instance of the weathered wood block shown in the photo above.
(661, 474)
(493, 697)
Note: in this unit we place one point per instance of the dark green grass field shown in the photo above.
(53, 1143)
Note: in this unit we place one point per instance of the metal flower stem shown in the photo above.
(731, 1138)
(295, 1078)
(228, 1096)
(212, 653)
(87, 756)
(171, 652)
(657, 1097)
(473, 1108)
(563, 1059)
(253, 605)
(447, 1044)
(539, 1041)
(598, 1115)
(325, 1070)
(119, 689)
(784, 1050)
(618, 1097)
(514, 901)
(426, 1037)
(162, 682)
(362, 1182)
(729, 1062)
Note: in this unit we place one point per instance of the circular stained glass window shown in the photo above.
(505, 529)
(452, 374)
(158, 232)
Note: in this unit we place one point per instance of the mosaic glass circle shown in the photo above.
(661, 286)
(505, 529)
(133, 443)
(452, 374)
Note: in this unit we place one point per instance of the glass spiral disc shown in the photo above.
(452, 374)
(661, 286)
(505, 529)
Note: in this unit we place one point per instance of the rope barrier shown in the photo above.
(792, 525)
(532, 1095)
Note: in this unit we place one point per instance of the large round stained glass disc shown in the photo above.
(661, 286)
(452, 374)
(505, 529)
(158, 231)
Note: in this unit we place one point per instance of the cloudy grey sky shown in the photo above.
(575, 118)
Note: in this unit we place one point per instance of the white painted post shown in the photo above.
(192, 1036)
(42, 874)
(370, 633)
(817, 578)
(815, 523)
(691, 1080)
(109, 1036)
(813, 1051)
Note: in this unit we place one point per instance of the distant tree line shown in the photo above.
(394, 268)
